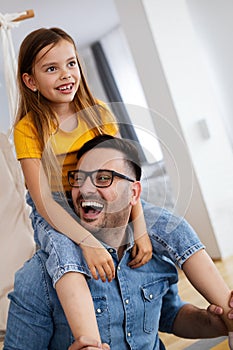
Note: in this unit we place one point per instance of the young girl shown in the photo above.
(57, 114)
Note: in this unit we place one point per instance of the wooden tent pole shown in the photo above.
(29, 14)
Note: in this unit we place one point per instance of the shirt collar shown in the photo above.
(130, 236)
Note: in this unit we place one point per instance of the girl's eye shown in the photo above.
(72, 63)
(51, 69)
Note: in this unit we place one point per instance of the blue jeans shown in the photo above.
(63, 254)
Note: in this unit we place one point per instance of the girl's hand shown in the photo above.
(87, 343)
(99, 262)
(141, 251)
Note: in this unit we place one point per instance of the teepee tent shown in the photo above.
(16, 235)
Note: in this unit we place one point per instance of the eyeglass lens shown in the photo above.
(99, 178)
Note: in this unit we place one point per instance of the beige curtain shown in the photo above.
(16, 238)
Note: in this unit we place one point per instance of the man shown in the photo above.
(138, 302)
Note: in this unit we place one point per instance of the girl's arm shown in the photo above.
(205, 277)
(97, 257)
(142, 250)
(71, 288)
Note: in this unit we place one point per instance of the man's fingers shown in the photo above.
(230, 313)
(214, 309)
(84, 342)
(231, 300)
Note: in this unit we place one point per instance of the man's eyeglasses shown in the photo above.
(100, 178)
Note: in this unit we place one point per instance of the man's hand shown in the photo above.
(230, 313)
(141, 251)
(218, 311)
(193, 322)
(87, 343)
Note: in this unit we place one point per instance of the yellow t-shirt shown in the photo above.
(65, 144)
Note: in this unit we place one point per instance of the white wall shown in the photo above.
(212, 22)
(176, 84)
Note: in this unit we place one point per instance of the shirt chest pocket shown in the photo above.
(103, 318)
(152, 294)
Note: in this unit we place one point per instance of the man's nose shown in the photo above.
(88, 186)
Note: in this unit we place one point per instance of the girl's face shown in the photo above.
(56, 73)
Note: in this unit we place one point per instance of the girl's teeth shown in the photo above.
(66, 88)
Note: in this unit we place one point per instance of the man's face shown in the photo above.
(110, 207)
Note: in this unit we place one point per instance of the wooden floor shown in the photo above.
(189, 294)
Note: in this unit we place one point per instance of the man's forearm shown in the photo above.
(192, 322)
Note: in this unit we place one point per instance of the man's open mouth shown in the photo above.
(91, 207)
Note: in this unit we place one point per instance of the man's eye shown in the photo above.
(78, 178)
(103, 178)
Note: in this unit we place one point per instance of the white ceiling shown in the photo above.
(85, 20)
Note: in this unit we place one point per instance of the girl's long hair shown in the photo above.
(43, 117)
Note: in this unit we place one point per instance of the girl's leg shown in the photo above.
(67, 269)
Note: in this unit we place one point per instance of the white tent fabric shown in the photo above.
(17, 243)
(6, 23)
(16, 236)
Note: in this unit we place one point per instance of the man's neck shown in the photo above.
(114, 237)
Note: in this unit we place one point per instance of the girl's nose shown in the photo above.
(65, 75)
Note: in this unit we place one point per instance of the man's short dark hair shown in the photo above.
(124, 146)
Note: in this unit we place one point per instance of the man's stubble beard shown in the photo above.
(111, 228)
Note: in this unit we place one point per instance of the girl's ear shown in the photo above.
(29, 81)
(136, 192)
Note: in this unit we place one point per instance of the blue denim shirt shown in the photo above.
(130, 310)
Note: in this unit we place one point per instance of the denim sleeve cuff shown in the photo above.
(189, 252)
(70, 268)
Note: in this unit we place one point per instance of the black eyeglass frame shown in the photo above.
(90, 173)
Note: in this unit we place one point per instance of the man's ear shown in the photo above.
(136, 192)
(29, 81)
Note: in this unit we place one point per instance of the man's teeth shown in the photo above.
(92, 204)
(67, 87)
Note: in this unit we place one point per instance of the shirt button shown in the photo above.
(98, 311)
(118, 267)
(151, 296)
(111, 250)
(129, 334)
(127, 301)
